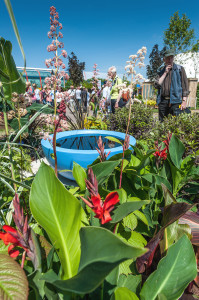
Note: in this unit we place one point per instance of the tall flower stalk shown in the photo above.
(136, 60)
(56, 64)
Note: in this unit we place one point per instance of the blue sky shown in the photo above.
(102, 32)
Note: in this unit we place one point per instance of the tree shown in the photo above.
(75, 69)
(156, 60)
(179, 35)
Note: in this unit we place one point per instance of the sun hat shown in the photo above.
(169, 52)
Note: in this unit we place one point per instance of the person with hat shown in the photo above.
(172, 85)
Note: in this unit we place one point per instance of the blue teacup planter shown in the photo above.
(80, 146)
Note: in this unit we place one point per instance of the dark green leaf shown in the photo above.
(125, 209)
(176, 150)
(173, 274)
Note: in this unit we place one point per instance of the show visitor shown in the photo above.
(37, 96)
(78, 95)
(112, 73)
(29, 92)
(172, 85)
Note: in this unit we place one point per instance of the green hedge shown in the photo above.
(143, 126)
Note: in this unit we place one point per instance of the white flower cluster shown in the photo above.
(136, 60)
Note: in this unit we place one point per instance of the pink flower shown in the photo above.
(63, 66)
(64, 53)
(66, 76)
(50, 34)
(52, 28)
(60, 35)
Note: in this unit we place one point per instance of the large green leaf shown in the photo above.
(104, 170)
(122, 293)
(132, 282)
(176, 150)
(126, 208)
(13, 281)
(173, 274)
(101, 252)
(80, 175)
(15, 83)
(59, 213)
(157, 179)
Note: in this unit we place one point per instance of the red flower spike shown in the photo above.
(126, 142)
(102, 154)
(102, 209)
(91, 183)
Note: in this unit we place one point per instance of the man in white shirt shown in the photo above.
(78, 95)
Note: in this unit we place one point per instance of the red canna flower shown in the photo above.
(167, 141)
(8, 238)
(102, 209)
(161, 153)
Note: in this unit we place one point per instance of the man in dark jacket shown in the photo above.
(172, 85)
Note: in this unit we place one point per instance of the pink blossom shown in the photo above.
(60, 35)
(52, 28)
(64, 53)
(55, 22)
(60, 26)
(50, 34)
(61, 45)
(51, 47)
(66, 76)
(63, 66)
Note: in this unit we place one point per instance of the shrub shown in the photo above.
(143, 126)
(185, 127)
(141, 120)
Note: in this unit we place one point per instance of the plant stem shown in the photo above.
(54, 146)
(9, 149)
(23, 259)
(127, 129)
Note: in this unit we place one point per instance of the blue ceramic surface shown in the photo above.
(86, 153)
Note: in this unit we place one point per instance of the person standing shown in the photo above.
(112, 73)
(37, 93)
(172, 85)
(78, 95)
(84, 98)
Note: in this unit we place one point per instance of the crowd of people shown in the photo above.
(106, 99)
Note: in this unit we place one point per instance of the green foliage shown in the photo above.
(80, 175)
(48, 202)
(13, 82)
(94, 123)
(141, 120)
(97, 259)
(13, 281)
(184, 126)
(166, 281)
(124, 293)
(75, 69)
(179, 35)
